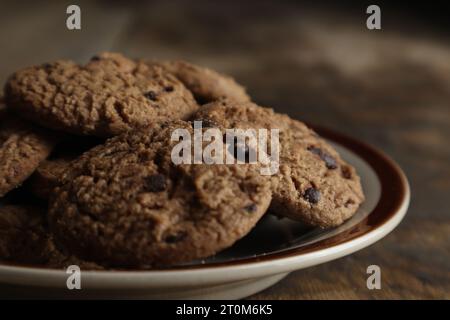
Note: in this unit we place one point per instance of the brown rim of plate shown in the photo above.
(394, 188)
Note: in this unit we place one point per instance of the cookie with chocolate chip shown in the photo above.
(24, 239)
(126, 203)
(23, 147)
(313, 183)
(206, 84)
(109, 95)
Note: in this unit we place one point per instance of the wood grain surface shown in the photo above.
(390, 88)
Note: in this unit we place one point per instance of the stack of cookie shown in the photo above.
(87, 175)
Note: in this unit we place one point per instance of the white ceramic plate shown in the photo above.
(272, 250)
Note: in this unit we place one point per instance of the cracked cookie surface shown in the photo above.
(314, 184)
(125, 203)
(109, 95)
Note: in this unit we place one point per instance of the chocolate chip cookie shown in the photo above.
(22, 148)
(313, 184)
(109, 95)
(24, 239)
(207, 85)
(125, 203)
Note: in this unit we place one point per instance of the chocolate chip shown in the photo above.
(251, 208)
(312, 195)
(95, 58)
(156, 183)
(151, 95)
(315, 150)
(168, 89)
(176, 237)
(346, 172)
(330, 162)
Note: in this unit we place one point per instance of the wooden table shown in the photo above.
(390, 88)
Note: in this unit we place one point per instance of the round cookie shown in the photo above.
(109, 95)
(207, 85)
(22, 148)
(313, 184)
(24, 239)
(125, 203)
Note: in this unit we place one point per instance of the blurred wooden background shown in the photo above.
(390, 88)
